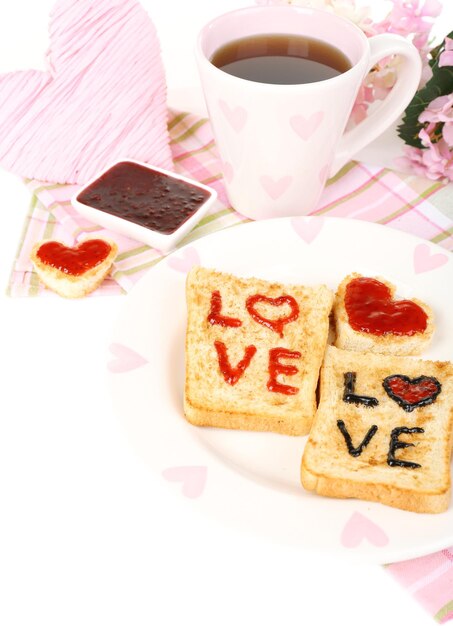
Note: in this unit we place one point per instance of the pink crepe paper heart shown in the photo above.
(307, 228)
(425, 260)
(358, 528)
(125, 359)
(192, 477)
(103, 98)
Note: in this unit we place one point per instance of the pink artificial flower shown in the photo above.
(438, 110)
(411, 18)
(446, 58)
(435, 160)
(447, 134)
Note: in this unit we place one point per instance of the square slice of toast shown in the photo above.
(253, 352)
(349, 338)
(383, 431)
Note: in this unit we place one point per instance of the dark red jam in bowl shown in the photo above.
(144, 196)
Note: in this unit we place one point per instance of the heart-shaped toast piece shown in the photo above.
(73, 272)
(370, 318)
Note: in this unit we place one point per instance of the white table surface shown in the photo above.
(88, 534)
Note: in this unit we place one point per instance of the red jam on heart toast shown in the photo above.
(368, 317)
(73, 272)
(371, 309)
(77, 260)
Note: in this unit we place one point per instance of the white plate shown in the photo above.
(251, 480)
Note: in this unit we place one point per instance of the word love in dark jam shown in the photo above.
(408, 393)
(144, 196)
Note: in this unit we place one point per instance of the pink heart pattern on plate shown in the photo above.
(184, 263)
(103, 98)
(359, 528)
(307, 228)
(425, 260)
(125, 360)
(192, 477)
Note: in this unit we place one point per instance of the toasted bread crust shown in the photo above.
(248, 405)
(69, 286)
(349, 339)
(330, 470)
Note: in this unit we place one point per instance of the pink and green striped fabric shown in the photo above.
(409, 203)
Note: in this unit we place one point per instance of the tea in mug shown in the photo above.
(281, 59)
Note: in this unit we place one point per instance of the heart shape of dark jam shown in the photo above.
(279, 323)
(411, 393)
(77, 260)
(370, 309)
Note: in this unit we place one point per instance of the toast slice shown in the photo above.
(395, 342)
(73, 272)
(383, 431)
(253, 352)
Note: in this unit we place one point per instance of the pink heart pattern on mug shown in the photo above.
(275, 188)
(236, 116)
(192, 479)
(228, 172)
(427, 261)
(305, 127)
(359, 528)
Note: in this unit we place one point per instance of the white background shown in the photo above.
(88, 534)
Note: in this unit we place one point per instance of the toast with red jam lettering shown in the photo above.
(368, 318)
(73, 272)
(383, 431)
(253, 352)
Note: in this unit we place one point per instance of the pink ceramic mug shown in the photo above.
(280, 143)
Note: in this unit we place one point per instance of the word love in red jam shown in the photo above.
(370, 309)
(144, 196)
(74, 261)
(233, 373)
(275, 324)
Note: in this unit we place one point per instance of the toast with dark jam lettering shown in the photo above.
(368, 318)
(383, 431)
(253, 352)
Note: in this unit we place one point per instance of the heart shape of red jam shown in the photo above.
(370, 309)
(411, 393)
(77, 260)
(275, 324)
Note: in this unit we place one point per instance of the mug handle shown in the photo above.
(391, 108)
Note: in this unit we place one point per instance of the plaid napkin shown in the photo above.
(412, 204)
(409, 203)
